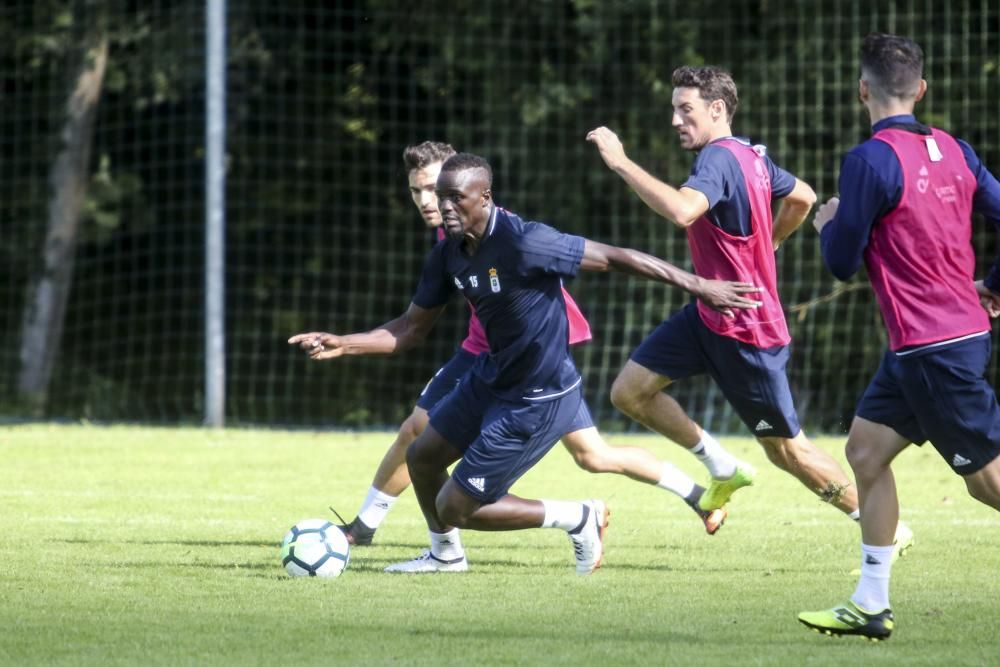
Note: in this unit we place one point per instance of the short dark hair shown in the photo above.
(892, 65)
(420, 155)
(463, 161)
(713, 83)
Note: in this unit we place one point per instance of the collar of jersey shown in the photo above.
(743, 140)
(489, 228)
(888, 121)
(493, 221)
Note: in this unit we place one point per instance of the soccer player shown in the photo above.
(521, 397)
(908, 193)
(589, 450)
(725, 208)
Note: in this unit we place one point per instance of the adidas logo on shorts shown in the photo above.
(478, 482)
(762, 425)
(957, 460)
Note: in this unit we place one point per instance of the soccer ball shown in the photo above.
(314, 548)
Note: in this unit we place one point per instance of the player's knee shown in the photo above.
(451, 513)
(863, 458)
(417, 460)
(624, 396)
(590, 460)
(411, 428)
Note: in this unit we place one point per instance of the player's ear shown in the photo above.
(717, 109)
(487, 196)
(921, 90)
(862, 91)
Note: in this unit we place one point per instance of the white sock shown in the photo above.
(719, 462)
(447, 546)
(675, 480)
(872, 593)
(375, 507)
(563, 514)
(855, 515)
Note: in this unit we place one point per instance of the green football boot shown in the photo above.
(720, 490)
(902, 541)
(850, 619)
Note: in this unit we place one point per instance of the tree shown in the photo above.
(45, 308)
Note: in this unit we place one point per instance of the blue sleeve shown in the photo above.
(547, 250)
(710, 174)
(986, 202)
(782, 182)
(865, 198)
(435, 288)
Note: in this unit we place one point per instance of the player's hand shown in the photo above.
(723, 295)
(989, 299)
(609, 146)
(826, 213)
(318, 345)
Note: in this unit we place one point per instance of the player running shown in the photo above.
(589, 450)
(518, 400)
(908, 195)
(725, 208)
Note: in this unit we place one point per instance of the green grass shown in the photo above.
(141, 546)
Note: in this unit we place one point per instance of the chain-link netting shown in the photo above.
(321, 234)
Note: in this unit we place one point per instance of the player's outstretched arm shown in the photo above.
(792, 211)
(682, 206)
(720, 295)
(406, 331)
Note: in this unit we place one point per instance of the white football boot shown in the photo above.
(428, 562)
(588, 537)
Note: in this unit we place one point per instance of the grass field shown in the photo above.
(143, 546)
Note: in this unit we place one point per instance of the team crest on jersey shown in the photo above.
(494, 281)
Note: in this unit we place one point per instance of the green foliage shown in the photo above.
(321, 99)
(161, 547)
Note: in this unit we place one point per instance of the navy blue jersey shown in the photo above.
(872, 179)
(514, 281)
(716, 174)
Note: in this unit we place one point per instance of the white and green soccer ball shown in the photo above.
(315, 548)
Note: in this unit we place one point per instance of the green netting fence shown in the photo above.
(321, 98)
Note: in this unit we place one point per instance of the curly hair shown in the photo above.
(713, 83)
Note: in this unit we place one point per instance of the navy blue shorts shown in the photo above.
(499, 440)
(582, 420)
(752, 379)
(941, 395)
(446, 379)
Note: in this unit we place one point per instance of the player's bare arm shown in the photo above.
(681, 206)
(720, 295)
(405, 332)
(792, 211)
(826, 213)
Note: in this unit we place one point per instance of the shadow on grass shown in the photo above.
(160, 565)
(181, 543)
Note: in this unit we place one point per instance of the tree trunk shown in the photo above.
(45, 307)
